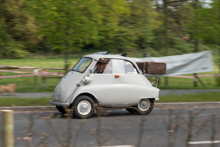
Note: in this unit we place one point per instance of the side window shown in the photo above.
(108, 67)
(103, 65)
(114, 66)
(129, 68)
(118, 66)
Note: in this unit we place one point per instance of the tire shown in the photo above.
(83, 107)
(145, 106)
(61, 109)
(131, 110)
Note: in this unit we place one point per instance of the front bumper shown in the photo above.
(157, 99)
(59, 103)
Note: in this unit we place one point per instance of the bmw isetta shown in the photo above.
(107, 81)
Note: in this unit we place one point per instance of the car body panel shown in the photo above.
(117, 89)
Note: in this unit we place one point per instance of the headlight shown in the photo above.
(57, 97)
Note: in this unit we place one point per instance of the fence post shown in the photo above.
(7, 128)
(0, 75)
(35, 77)
(43, 79)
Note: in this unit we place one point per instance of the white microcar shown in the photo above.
(107, 81)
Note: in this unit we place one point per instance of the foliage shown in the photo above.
(112, 25)
(210, 26)
(20, 25)
(9, 48)
(217, 80)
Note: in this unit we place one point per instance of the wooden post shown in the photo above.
(7, 128)
(43, 79)
(196, 41)
(0, 75)
(166, 41)
(35, 77)
(195, 80)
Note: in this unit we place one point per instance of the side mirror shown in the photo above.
(86, 80)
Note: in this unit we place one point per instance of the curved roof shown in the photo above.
(115, 56)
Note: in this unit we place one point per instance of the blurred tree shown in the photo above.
(67, 24)
(113, 34)
(209, 17)
(21, 26)
(9, 48)
(144, 19)
(133, 28)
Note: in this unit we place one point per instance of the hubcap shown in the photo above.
(84, 107)
(144, 105)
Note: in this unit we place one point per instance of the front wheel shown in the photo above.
(145, 106)
(83, 107)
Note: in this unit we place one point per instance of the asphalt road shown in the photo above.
(167, 124)
(163, 126)
(162, 93)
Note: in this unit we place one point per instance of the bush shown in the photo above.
(218, 80)
(9, 48)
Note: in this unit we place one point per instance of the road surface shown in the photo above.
(167, 124)
(162, 93)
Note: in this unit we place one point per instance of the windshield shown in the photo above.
(82, 65)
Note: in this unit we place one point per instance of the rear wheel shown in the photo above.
(145, 106)
(83, 107)
(61, 109)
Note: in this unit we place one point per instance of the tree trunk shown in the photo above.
(196, 42)
(166, 47)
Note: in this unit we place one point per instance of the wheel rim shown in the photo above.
(84, 107)
(144, 105)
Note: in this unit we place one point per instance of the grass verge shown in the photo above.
(202, 97)
(35, 84)
(25, 102)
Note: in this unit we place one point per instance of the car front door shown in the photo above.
(119, 84)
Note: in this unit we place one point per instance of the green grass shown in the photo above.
(202, 97)
(41, 62)
(187, 83)
(28, 84)
(25, 101)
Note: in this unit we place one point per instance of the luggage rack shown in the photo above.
(157, 79)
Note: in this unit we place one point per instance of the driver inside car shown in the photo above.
(101, 65)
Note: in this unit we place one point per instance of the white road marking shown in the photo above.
(204, 142)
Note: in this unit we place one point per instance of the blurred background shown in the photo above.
(55, 34)
(40, 40)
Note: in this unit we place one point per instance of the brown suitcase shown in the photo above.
(141, 66)
(152, 67)
(155, 68)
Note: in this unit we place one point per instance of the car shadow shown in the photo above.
(104, 113)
